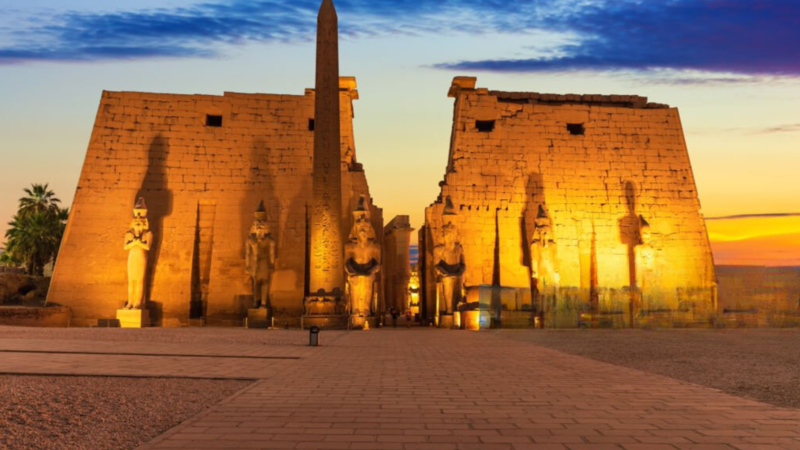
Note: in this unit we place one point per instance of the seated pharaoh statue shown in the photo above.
(260, 257)
(362, 263)
(138, 240)
(449, 264)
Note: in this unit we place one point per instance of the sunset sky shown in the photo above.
(730, 66)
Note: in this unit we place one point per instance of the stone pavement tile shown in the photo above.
(140, 366)
(438, 389)
(158, 348)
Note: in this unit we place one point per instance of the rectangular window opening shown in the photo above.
(484, 126)
(310, 124)
(213, 121)
(576, 129)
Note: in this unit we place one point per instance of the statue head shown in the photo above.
(449, 229)
(450, 235)
(543, 226)
(362, 227)
(140, 224)
(260, 227)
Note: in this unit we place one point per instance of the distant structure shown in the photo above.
(397, 262)
(604, 179)
(204, 163)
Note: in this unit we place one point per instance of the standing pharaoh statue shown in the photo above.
(544, 260)
(138, 240)
(362, 263)
(448, 259)
(260, 257)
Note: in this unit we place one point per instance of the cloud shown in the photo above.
(754, 216)
(738, 40)
(728, 36)
(204, 29)
(790, 128)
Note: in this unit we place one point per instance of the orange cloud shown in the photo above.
(765, 240)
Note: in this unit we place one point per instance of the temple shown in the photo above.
(571, 210)
(554, 211)
(204, 163)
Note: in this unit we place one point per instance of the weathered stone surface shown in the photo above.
(596, 164)
(201, 184)
(765, 296)
(25, 316)
(326, 269)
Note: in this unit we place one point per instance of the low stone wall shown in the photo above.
(17, 288)
(759, 296)
(49, 316)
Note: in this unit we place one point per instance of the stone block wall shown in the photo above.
(595, 164)
(759, 296)
(202, 184)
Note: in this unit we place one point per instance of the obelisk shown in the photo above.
(326, 270)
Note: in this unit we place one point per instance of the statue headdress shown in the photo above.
(140, 209)
(360, 218)
(140, 212)
(261, 212)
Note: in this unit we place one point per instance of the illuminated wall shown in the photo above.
(202, 184)
(595, 164)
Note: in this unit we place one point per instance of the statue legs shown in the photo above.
(361, 293)
(452, 294)
(260, 293)
(135, 294)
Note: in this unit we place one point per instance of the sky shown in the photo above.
(730, 66)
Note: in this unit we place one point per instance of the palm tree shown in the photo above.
(7, 259)
(34, 235)
(39, 199)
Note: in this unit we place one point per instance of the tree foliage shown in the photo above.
(34, 234)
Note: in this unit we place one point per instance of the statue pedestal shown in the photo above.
(471, 320)
(360, 322)
(446, 321)
(133, 318)
(258, 318)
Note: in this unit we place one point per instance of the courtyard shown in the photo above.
(404, 388)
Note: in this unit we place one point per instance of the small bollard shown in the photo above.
(313, 336)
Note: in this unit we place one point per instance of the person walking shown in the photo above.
(394, 317)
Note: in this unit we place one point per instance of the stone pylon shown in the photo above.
(326, 269)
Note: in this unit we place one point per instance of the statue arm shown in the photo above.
(129, 240)
(377, 256)
(535, 259)
(143, 241)
(437, 260)
(248, 258)
(349, 259)
(146, 241)
(462, 265)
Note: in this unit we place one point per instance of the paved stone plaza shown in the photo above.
(412, 389)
